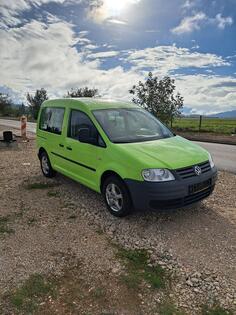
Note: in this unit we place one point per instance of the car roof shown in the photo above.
(90, 103)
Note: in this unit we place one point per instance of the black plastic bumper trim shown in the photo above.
(169, 195)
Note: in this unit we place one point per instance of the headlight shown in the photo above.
(211, 161)
(157, 175)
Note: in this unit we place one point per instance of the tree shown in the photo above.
(21, 110)
(157, 96)
(82, 92)
(5, 104)
(36, 101)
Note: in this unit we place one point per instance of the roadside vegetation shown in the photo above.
(38, 291)
(4, 225)
(214, 125)
(138, 269)
(27, 297)
(30, 186)
(215, 310)
(158, 97)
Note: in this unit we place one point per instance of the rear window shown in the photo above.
(51, 119)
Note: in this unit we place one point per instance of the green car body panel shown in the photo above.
(86, 163)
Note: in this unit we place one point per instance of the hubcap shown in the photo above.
(45, 165)
(114, 197)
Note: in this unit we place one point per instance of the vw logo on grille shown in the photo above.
(197, 170)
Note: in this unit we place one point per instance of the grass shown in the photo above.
(53, 194)
(27, 297)
(31, 221)
(41, 185)
(215, 310)
(4, 228)
(72, 216)
(168, 308)
(5, 220)
(138, 270)
(99, 231)
(215, 125)
(98, 292)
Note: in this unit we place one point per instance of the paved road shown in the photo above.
(224, 155)
(31, 127)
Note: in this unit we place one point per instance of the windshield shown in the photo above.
(124, 125)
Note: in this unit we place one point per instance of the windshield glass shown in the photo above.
(124, 125)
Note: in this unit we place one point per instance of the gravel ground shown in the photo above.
(71, 225)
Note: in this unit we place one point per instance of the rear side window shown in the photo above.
(52, 119)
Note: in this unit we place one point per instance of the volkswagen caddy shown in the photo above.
(122, 151)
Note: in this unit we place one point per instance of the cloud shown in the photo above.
(152, 31)
(115, 21)
(166, 59)
(82, 41)
(208, 93)
(91, 47)
(190, 23)
(103, 54)
(44, 55)
(11, 10)
(222, 22)
(188, 4)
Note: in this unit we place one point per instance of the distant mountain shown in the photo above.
(190, 112)
(229, 114)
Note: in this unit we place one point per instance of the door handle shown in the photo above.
(69, 148)
(61, 145)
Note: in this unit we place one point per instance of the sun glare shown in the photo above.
(115, 7)
(111, 9)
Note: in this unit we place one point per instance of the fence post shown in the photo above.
(23, 121)
(200, 122)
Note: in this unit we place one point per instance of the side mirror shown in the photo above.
(84, 135)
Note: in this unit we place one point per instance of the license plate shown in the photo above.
(199, 186)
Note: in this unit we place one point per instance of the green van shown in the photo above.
(122, 151)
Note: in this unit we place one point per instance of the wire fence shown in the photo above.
(205, 124)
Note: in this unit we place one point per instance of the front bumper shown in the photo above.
(172, 194)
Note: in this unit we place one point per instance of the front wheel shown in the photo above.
(46, 167)
(117, 196)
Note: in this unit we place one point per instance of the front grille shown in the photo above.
(188, 172)
(180, 202)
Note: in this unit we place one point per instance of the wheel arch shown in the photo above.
(108, 173)
(40, 151)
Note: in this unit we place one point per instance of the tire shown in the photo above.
(45, 164)
(117, 197)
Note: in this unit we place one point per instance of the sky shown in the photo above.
(112, 45)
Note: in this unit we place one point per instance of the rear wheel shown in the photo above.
(117, 196)
(46, 167)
